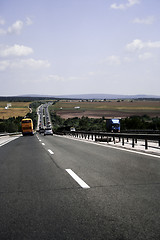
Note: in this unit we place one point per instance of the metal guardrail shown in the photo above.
(106, 137)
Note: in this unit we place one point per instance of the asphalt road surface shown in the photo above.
(57, 188)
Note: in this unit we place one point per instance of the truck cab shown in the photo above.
(113, 125)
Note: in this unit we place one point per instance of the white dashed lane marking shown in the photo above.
(50, 151)
(77, 179)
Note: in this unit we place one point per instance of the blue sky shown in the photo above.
(58, 47)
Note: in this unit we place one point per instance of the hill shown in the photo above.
(93, 96)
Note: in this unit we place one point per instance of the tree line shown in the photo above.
(91, 124)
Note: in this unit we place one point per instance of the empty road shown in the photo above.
(54, 187)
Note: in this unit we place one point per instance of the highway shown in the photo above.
(53, 187)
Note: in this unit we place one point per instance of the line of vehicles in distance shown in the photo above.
(44, 124)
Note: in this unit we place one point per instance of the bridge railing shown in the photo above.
(107, 137)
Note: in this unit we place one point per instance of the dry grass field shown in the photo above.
(16, 109)
(107, 109)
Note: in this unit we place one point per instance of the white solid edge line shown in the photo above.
(50, 151)
(9, 140)
(77, 179)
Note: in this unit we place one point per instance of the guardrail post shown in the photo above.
(133, 142)
(146, 144)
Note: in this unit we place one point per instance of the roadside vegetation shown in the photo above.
(91, 124)
(85, 124)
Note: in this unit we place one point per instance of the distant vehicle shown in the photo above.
(27, 126)
(48, 131)
(72, 129)
(113, 125)
(41, 130)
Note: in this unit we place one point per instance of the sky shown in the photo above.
(60, 47)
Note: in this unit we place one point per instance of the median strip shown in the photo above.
(77, 179)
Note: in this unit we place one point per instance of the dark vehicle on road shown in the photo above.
(113, 125)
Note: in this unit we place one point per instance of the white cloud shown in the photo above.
(74, 78)
(138, 44)
(116, 6)
(58, 78)
(128, 4)
(31, 63)
(15, 50)
(15, 28)
(55, 78)
(148, 21)
(145, 56)
(23, 63)
(113, 60)
(2, 21)
(4, 65)
(29, 21)
(91, 73)
(127, 59)
(2, 32)
(153, 44)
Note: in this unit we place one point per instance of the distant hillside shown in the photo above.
(32, 97)
(107, 96)
(92, 96)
